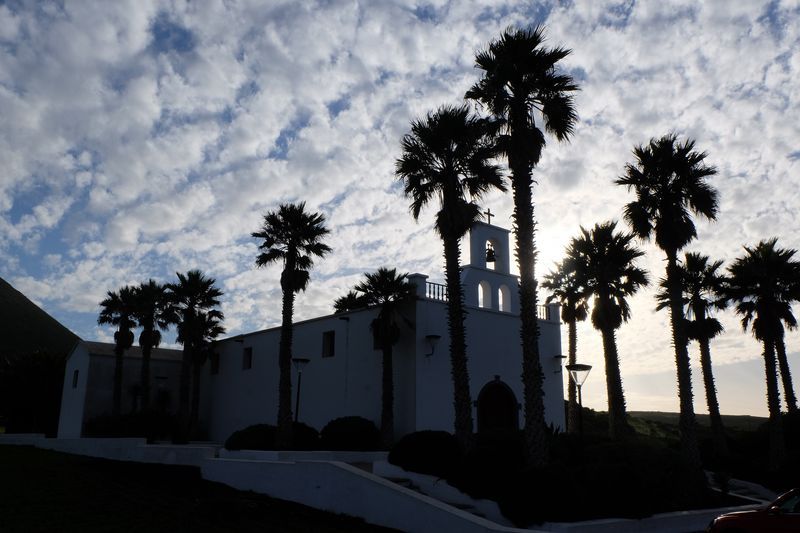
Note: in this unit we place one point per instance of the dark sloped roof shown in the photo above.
(26, 328)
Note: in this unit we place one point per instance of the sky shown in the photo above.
(142, 138)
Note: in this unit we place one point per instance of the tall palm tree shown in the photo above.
(669, 179)
(153, 313)
(783, 366)
(389, 291)
(763, 283)
(448, 155)
(209, 327)
(192, 297)
(292, 236)
(117, 309)
(521, 80)
(603, 263)
(701, 288)
(564, 288)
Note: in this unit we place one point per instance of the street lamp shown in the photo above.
(578, 374)
(299, 364)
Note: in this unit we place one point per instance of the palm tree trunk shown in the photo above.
(717, 429)
(521, 161)
(573, 409)
(786, 375)
(116, 402)
(387, 396)
(462, 399)
(777, 446)
(183, 393)
(147, 350)
(690, 451)
(283, 434)
(617, 415)
(194, 415)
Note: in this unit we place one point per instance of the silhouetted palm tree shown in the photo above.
(293, 237)
(389, 291)
(153, 313)
(669, 179)
(192, 297)
(448, 155)
(603, 263)
(763, 283)
(564, 289)
(209, 327)
(521, 80)
(349, 302)
(783, 366)
(117, 310)
(701, 287)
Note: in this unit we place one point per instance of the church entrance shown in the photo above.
(498, 411)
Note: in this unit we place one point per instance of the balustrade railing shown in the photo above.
(436, 291)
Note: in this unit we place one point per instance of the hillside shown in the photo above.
(25, 328)
(740, 422)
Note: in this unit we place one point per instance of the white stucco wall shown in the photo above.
(70, 421)
(349, 383)
(493, 349)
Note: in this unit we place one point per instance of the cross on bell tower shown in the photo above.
(489, 215)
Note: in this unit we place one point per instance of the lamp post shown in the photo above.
(578, 374)
(299, 364)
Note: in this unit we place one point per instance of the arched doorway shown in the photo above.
(498, 410)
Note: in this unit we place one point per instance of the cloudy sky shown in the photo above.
(143, 138)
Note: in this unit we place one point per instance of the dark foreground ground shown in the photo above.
(44, 491)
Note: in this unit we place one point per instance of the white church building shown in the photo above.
(342, 377)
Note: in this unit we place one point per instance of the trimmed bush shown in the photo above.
(262, 437)
(350, 433)
(152, 425)
(437, 453)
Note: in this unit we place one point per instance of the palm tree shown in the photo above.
(349, 302)
(783, 366)
(209, 327)
(763, 283)
(603, 264)
(294, 237)
(389, 291)
(117, 310)
(701, 287)
(191, 298)
(153, 314)
(520, 77)
(449, 155)
(564, 288)
(669, 179)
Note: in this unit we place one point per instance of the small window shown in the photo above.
(328, 343)
(247, 358)
(75, 379)
(214, 363)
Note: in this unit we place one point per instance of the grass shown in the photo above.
(44, 491)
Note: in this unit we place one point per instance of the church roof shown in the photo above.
(134, 352)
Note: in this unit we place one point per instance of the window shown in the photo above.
(484, 294)
(214, 363)
(328, 343)
(504, 298)
(247, 358)
(75, 379)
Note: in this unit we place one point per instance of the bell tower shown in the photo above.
(487, 279)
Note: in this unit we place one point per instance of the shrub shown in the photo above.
(152, 425)
(262, 437)
(351, 433)
(436, 453)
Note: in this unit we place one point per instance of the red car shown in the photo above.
(781, 515)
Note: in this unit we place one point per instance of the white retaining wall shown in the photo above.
(313, 479)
